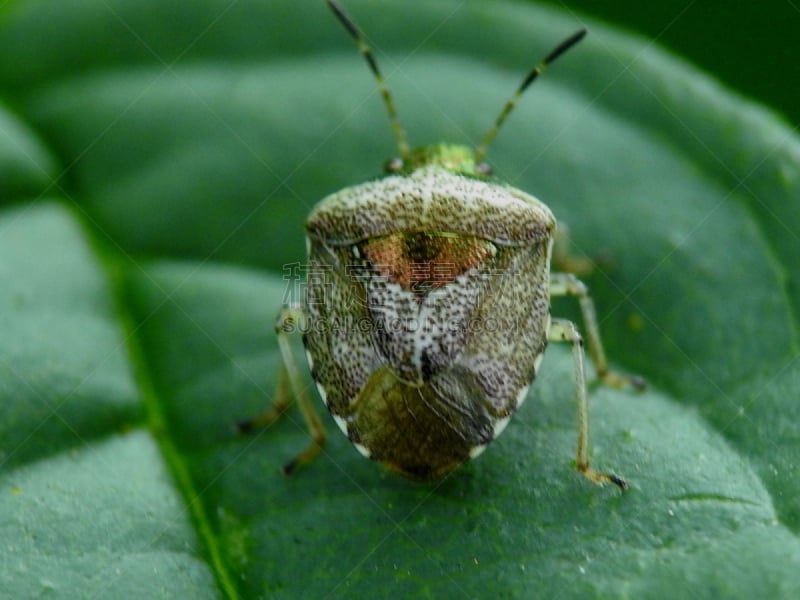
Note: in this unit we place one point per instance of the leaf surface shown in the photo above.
(157, 160)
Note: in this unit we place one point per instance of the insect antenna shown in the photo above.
(480, 151)
(369, 56)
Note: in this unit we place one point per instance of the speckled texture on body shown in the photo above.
(419, 369)
(431, 199)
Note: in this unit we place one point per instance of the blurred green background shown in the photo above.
(753, 47)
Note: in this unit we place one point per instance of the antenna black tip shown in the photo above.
(565, 45)
(345, 20)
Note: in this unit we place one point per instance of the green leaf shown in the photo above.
(26, 166)
(88, 507)
(138, 288)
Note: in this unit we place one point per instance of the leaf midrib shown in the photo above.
(155, 420)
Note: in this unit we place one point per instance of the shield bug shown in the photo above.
(427, 305)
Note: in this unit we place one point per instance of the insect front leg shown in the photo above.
(289, 320)
(281, 400)
(565, 331)
(566, 284)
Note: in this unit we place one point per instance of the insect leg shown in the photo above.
(566, 284)
(563, 259)
(282, 399)
(565, 331)
(288, 321)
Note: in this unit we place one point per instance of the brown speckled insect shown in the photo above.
(427, 308)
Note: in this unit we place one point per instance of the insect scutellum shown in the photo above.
(457, 158)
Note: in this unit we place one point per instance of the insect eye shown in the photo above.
(483, 168)
(393, 165)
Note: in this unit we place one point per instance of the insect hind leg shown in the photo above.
(566, 284)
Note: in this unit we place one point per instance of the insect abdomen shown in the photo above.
(422, 431)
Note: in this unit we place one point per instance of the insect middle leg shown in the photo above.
(566, 284)
(288, 321)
